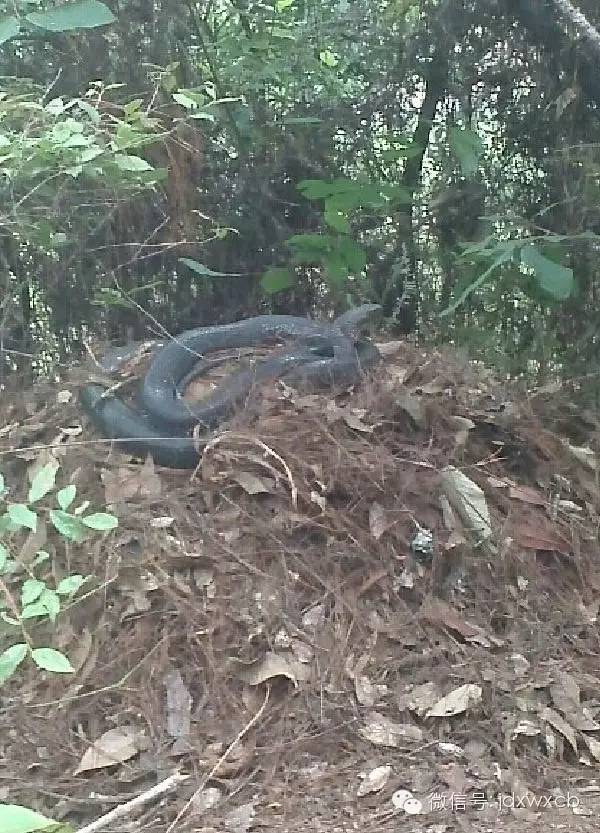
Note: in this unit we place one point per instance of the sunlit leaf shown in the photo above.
(66, 496)
(100, 521)
(31, 590)
(43, 481)
(22, 515)
(201, 269)
(51, 660)
(10, 659)
(68, 525)
(9, 27)
(131, 163)
(70, 585)
(84, 14)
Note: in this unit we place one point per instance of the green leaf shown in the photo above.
(68, 526)
(22, 515)
(281, 5)
(70, 585)
(40, 557)
(201, 269)
(505, 255)
(85, 14)
(10, 659)
(553, 278)
(467, 147)
(34, 610)
(17, 819)
(337, 220)
(311, 245)
(277, 279)
(185, 101)
(51, 660)
(51, 602)
(354, 255)
(31, 590)
(7, 525)
(9, 27)
(314, 189)
(336, 269)
(131, 163)
(66, 496)
(328, 58)
(101, 521)
(43, 482)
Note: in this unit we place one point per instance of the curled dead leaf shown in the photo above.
(457, 701)
(381, 731)
(113, 747)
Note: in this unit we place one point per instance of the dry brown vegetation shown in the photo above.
(327, 590)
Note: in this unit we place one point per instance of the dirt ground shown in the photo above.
(396, 590)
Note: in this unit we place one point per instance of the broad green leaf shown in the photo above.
(131, 163)
(68, 526)
(31, 590)
(314, 189)
(43, 482)
(397, 194)
(277, 279)
(70, 584)
(555, 279)
(34, 610)
(337, 220)
(467, 147)
(10, 659)
(201, 269)
(311, 244)
(84, 14)
(51, 660)
(17, 819)
(281, 5)
(100, 521)
(51, 602)
(336, 269)
(9, 27)
(22, 515)
(354, 255)
(66, 496)
(185, 101)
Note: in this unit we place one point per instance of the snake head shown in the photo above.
(355, 321)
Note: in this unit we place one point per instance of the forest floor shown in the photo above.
(373, 613)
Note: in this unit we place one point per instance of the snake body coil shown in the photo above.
(324, 354)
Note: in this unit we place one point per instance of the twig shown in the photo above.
(221, 760)
(267, 450)
(126, 809)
